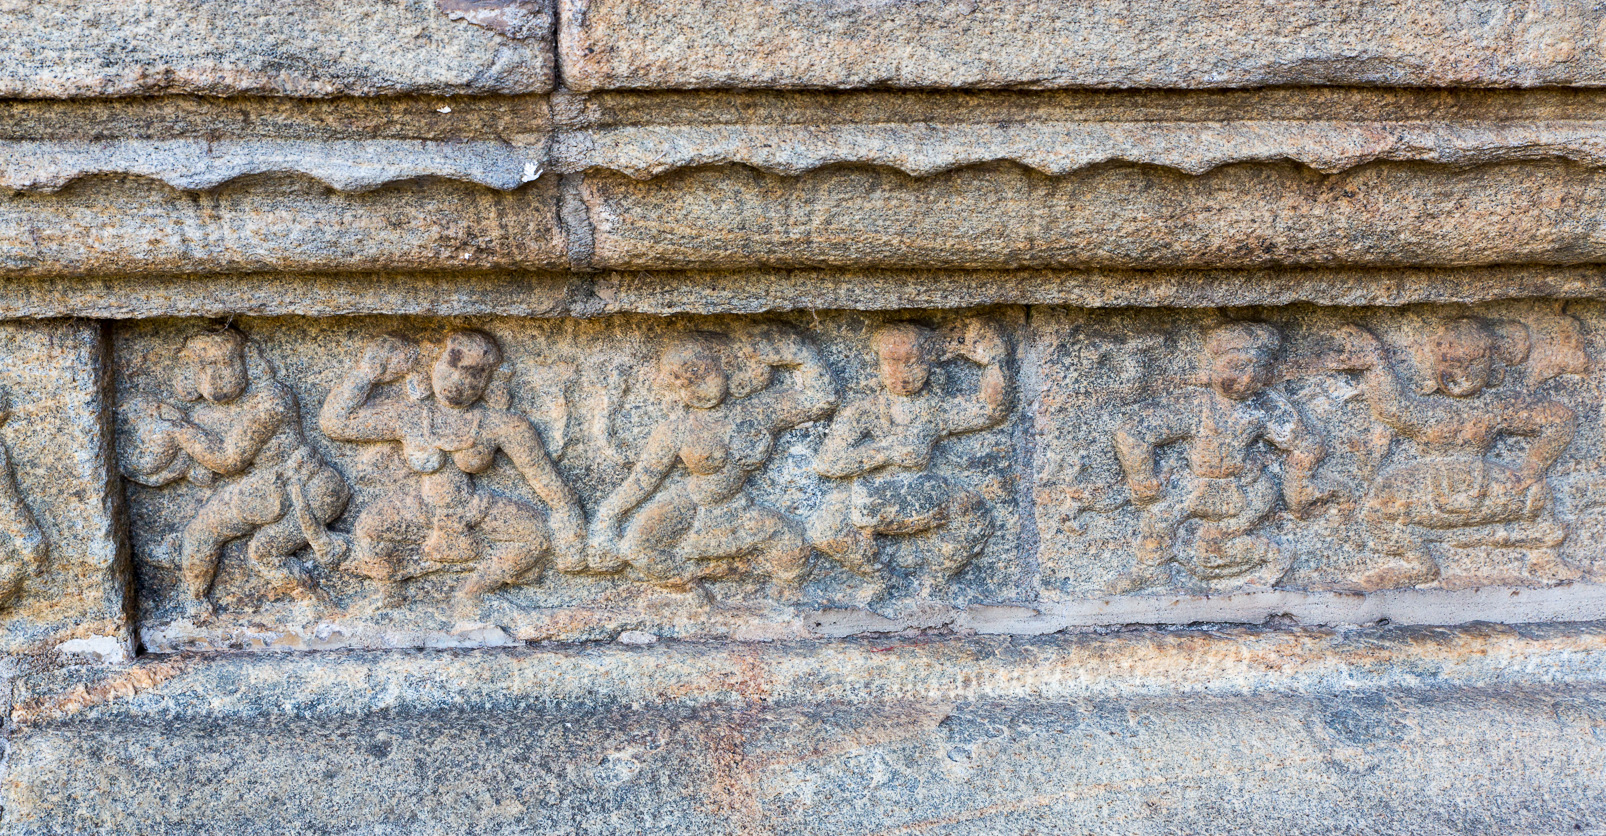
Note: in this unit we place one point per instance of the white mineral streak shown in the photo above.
(1567, 603)
(109, 650)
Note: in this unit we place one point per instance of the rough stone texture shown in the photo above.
(1239, 731)
(920, 133)
(608, 44)
(734, 180)
(576, 294)
(705, 458)
(62, 566)
(295, 48)
(277, 222)
(1281, 486)
(593, 393)
(1004, 215)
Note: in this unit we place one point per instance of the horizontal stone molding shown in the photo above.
(1192, 147)
(676, 181)
(276, 223)
(204, 165)
(273, 47)
(1005, 215)
(1226, 661)
(356, 144)
(590, 294)
(615, 44)
(1482, 728)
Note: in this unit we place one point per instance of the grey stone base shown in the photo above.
(1405, 730)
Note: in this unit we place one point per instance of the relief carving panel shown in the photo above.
(383, 481)
(392, 481)
(1346, 450)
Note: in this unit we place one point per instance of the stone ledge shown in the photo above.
(1388, 731)
(587, 294)
(274, 47)
(612, 44)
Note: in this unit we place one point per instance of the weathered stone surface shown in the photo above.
(348, 118)
(294, 48)
(198, 165)
(1349, 450)
(756, 291)
(277, 222)
(1007, 216)
(807, 479)
(909, 499)
(608, 44)
(352, 144)
(647, 134)
(732, 180)
(1480, 729)
(63, 569)
(789, 418)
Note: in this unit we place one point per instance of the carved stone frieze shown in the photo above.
(532, 479)
(376, 481)
(1319, 449)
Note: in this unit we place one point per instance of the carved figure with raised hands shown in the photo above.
(882, 445)
(1227, 485)
(450, 421)
(726, 409)
(1455, 491)
(243, 430)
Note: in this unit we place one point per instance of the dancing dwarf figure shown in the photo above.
(245, 429)
(1455, 492)
(450, 424)
(726, 412)
(883, 443)
(28, 550)
(1227, 485)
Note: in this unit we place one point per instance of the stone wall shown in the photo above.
(938, 417)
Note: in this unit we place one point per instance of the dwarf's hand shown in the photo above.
(386, 359)
(981, 341)
(1145, 491)
(1359, 349)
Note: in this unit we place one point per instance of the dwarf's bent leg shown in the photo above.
(13, 574)
(969, 527)
(780, 550)
(1408, 561)
(650, 541)
(517, 537)
(381, 531)
(832, 531)
(218, 522)
(1227, 547)
(1157, 531)
(270, 552)
(317, 499)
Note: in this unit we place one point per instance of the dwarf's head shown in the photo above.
(464, 368)
(692, 370)
(904, 355)
(1239, 357)
(212, 366)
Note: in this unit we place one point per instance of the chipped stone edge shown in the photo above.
(642, 153)
(1579, 602)
(1221, 661)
